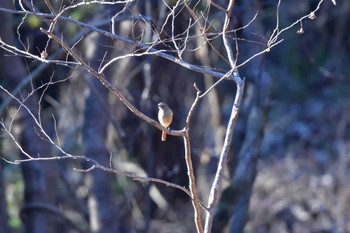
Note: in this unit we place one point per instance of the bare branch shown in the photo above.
(46, 136)
(156, 52)
(96, 165)
(190, 172)
(224, 34)
(113, 88)
(215, 190)
(216, 6)
(277, 32)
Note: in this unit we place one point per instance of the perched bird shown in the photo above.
(165, 117)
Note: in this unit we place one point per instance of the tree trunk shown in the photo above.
(105, 215)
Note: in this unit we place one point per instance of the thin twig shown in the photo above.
(133, 176)
(96, 165)
(44, 133)
(227, 43)
(154, 51)
(217, 6)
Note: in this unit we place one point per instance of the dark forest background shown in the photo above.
(288, 168)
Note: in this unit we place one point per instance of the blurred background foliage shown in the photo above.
(303, 153)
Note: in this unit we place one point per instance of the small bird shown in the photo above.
(165, 117)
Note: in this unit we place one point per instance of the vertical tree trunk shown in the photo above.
(102, 204)
(105, 216)
(4, 226)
